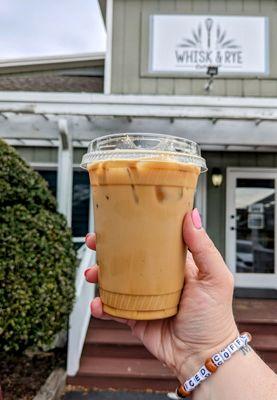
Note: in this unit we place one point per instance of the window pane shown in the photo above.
(255, 205)
(80, 199)
(80, 203)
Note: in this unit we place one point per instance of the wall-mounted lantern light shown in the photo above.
(217, 176)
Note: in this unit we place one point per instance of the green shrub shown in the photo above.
(37, 258)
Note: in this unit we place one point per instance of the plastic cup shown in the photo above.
(143, 185)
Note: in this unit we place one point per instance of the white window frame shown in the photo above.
(48, 166)
(201, 197)
(247, 280)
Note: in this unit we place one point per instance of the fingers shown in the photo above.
(96, 308)
(207, 258)
(91, 274)
(90, 241)
(191, 270)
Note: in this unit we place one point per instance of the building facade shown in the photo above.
(205, 70)
(144, 59)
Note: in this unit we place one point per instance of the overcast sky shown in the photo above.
(34, 28)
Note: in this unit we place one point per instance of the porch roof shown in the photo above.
(217, 123)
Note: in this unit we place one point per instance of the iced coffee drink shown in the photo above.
(139, 206)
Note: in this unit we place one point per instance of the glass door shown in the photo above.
(250, 227)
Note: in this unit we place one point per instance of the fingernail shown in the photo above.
(196, 219)
(87, 235)
(86, 271)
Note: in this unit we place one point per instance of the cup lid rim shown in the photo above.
(168, 149)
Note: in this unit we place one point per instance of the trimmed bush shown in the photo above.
(37, 258)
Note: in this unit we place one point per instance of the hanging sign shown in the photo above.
(192, 43)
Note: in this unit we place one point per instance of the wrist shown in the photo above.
(189, 365)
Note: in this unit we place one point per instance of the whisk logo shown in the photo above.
(208, 44)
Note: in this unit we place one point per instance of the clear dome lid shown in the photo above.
(144, 146)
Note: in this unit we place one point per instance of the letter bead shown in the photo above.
(190, 384)
(186, 386)
(225, 354)
(217, 360)
(232, 348)
(239, 343)
(204, 373)
(197, 379)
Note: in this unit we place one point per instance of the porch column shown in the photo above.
(65, 171)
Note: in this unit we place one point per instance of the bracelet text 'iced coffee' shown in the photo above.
(212, 364)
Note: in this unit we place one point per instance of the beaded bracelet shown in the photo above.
(211, 365)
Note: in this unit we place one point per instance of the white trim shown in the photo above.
(80, 315)
(230, 121)
(247, 279)
(201, 197)
(108, 59)
(136, 105)
(78, 239)
(65, 171)
(16, 62)
(87, 98)
(45, 166)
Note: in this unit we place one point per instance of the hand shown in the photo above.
(204, 323)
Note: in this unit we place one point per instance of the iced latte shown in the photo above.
(139, 206)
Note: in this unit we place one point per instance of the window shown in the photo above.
(251, 222)
(81, 204)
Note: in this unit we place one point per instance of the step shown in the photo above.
(107, 324)
(110, 342)
(266, 346)
(115, 351)
(117, 343)
(139, 368)
(124, 383)
(265, 342)
(124, 373)
(258, 329)
(255, 311)
(105, 336)
(262, 339)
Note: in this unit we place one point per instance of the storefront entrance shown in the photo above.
(251, 226)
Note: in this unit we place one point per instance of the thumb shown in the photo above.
(206, 256)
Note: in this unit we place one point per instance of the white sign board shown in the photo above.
(192, 43)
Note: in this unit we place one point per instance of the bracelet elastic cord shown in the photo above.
(212, 364)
